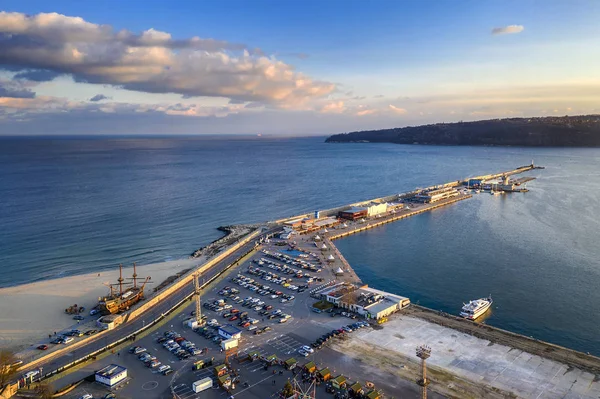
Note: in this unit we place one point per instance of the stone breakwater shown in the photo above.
(232, 234)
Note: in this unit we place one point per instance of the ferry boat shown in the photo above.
(476, 308)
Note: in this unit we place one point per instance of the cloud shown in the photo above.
(37, 75)
(47, 105)
(398, 110)
(152, 61)
(333, 108)
(15, 90)
(363, 110)
(510, 29)
(99, 97)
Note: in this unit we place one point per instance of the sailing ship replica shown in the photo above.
(127, 295)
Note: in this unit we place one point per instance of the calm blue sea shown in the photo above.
(71, 206)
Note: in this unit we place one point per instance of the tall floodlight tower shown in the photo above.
(197, 292)
(308, 391)
(423, 352)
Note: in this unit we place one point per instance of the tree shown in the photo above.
(7, 366)
(44, 391)
(288, 390)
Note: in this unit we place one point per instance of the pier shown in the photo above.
(233, 250)
(398, 216)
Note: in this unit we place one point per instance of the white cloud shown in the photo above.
(334, 107)
(56, 105)
(152, 61)
(510, 29)
(398, 110)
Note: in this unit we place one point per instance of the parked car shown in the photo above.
(302, 352)
(43, 347)
(78, 317)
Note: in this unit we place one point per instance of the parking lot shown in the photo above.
(268, 290)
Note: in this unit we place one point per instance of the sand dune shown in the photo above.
(29, 312)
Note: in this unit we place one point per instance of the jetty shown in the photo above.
(304, 244)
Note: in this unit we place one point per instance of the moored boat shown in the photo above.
(476, 308)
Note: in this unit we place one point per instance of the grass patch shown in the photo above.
(323, 305)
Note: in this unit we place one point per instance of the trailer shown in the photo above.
(202, 385)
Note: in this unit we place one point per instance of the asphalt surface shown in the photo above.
(139, 322)
(283, 340)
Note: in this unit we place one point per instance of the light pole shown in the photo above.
(423, 352)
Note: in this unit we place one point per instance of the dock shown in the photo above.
(398, 216)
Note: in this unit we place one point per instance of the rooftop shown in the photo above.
(229, 329)
(110, 370)
(354, 210)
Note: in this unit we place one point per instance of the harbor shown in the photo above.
(306, 242)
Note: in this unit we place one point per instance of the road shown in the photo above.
(128, 328)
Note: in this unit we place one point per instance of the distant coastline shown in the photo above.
(565, 131)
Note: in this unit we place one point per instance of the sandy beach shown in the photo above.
(29, 312)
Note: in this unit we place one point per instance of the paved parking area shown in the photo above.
(283, 340)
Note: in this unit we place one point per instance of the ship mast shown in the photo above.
(134, 276)
(120, 280)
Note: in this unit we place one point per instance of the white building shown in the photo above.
(374, 209)
(111, 375)
(368, 302)
(228, 331)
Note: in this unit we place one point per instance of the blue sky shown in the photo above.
(288, 67)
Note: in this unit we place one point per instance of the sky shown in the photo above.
(291, 67)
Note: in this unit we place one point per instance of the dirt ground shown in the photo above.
(442, 382)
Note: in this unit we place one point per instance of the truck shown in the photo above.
(202, 385)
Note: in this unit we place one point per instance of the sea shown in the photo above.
(84, 204)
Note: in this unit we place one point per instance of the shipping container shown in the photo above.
(202, 385)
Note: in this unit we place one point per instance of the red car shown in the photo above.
(235, 311)
(232, 318)
(246, 324)
(179, 339)
(43, 347)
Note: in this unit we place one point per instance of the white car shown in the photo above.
(303, 352)
(307, 348)
(87, 396)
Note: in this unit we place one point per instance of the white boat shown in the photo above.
(476, 308)
(494, 192)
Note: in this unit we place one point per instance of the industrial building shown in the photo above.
(326, 222)
(228, 331)
(354, 213)
(435, 195)
(374, 208)
(111, 375)
(366, 301)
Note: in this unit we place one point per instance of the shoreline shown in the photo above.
(30, 312)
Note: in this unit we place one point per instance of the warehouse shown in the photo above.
(374, 209)
(353, 213)
(111, 375)
(431, 196)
